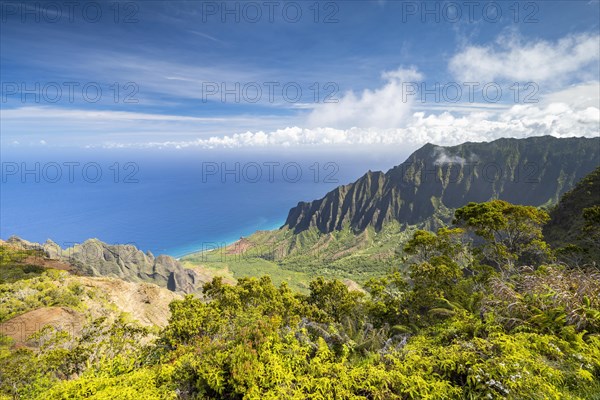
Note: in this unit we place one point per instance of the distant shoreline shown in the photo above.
(226, 243)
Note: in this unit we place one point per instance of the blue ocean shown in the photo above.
(164, 200)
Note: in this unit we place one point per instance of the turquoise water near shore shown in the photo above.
(201, 246)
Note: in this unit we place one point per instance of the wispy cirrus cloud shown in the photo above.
(83, 127)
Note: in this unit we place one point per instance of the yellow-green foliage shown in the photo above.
(138, 384)
(297, 259)
(450, 327)
(255, 340)
(49, 289)
(14, 265)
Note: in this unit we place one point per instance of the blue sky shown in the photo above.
(167, 57)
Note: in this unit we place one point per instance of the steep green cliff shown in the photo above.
(574, 221)
(434, 180)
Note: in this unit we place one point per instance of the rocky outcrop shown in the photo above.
(435, 180)
(126, 262)
(95, 258)
(145, 302)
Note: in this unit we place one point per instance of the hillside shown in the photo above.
(568, 224)
(297, 258)
(447, 327)
(358, 231)
(126, 262)
(435, 180)
(35, 295)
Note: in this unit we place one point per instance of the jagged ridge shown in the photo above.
(434, 179)
(126, 262)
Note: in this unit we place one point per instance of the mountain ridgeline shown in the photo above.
(95, 258)
(435, 180)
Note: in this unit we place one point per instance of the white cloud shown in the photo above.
(385, 107)
(574, 111)
(581, 96)
(381, 117)
(444, 158)
(511, 58)
(558, 119)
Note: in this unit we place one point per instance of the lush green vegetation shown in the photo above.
(233, 266)
(52, 288)
(298, 258)
(14, 264)
(482, 310)
(342, 254)
(574, 228)
(26, 285)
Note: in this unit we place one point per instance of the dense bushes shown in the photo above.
(51, 288)
(466, 320)
(15, 265)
